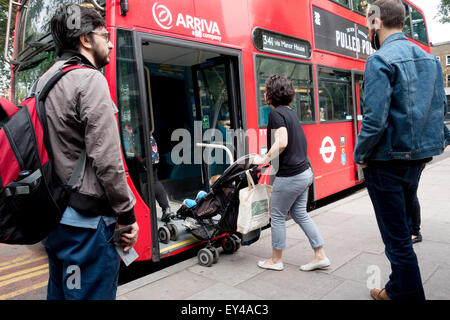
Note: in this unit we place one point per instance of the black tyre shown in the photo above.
(228, 244)
(173, 231)
(237, 240)
(205, 257)
(164, 234)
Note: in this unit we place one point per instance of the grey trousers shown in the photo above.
(290, 194)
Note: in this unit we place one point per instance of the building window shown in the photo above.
(335, 95)
(448, 81)
(448, 60)
(301, 77)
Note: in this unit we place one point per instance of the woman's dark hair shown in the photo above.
(72, 21)
(279, 90)
(392, 13)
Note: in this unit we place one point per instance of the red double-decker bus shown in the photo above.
(198, 65)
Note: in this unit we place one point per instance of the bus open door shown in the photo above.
(189, 93)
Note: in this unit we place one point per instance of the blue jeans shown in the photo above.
(393, 191)
(83, 263)
(290, 194)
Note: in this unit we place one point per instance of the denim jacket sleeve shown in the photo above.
(377, 101)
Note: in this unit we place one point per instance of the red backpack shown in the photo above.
(32, 197)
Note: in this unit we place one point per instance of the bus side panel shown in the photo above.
(221, 22)
(290, 17)
(330, 149)
(143, 246)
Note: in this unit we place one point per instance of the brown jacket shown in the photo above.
(81, 114)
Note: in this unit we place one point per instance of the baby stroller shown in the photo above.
(216, 213)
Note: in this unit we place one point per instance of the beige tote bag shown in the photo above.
(254, 203)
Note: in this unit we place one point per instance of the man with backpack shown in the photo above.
(83, 260)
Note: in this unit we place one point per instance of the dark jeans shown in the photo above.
(393, 192)
(415, 218)
(83, 263)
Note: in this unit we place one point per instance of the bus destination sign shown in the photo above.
(273, 42)
(338, 35)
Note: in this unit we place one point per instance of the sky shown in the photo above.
(438, 32)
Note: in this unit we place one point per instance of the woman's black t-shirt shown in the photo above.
(293, 160)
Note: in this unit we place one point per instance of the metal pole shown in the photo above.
(217, 146)
(96, 5)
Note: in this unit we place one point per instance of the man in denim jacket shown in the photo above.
(402, 129)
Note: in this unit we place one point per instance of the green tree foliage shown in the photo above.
(444, 11)
(5, 69)
(38, 16)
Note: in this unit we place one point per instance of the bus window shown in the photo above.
(418, 25)
(343, 2)
(301, 77)
(35, 21)
(361, 5)
(407, 27)
(130, 115)
(29, 71)
(335, 102)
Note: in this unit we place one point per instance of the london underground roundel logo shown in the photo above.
(162, 16)
(327, 150)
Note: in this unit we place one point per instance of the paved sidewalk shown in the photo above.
(353, 244)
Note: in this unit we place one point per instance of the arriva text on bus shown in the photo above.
(199, 27)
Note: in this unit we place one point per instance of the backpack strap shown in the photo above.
(62, 71)
(22, 186)
(40, 108)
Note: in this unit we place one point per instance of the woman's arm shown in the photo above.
(281, 142)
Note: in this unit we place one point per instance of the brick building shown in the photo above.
(442, 51)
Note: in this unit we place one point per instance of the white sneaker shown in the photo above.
(313, 266)
(277, 266)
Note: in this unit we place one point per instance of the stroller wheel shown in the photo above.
(229, 244)
(164, 234)
(215, 252)
(173, 231)
(205, 257)
(238, 241)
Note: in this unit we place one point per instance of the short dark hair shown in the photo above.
(66, 30)
(392, 13)
(279, 90)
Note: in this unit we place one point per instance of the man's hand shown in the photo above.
(128, 240)
(363, 166)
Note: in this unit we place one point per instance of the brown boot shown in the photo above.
(379, 294)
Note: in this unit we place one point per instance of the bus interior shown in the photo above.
(188, 94)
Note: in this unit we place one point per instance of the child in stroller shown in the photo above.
(214, 214)
(190, 202)
(190, 223)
